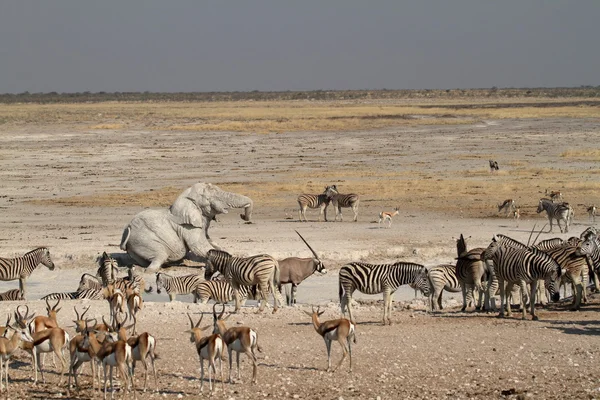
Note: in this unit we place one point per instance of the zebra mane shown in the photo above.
(219, 252)
(508, 241)
(36, 249)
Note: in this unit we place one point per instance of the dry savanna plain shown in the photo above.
(73, 175)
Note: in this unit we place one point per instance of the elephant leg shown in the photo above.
(156, 263)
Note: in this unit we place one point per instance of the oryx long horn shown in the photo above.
(530, 234)
(539, 233)
(308, 245)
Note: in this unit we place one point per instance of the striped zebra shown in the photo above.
(261, 270)
(221, 292)
(108, 269)
(21, 267)
(320, 201)
(591, 210)
(556, 211)
(89, 281)
(471, 271)
(90, 294)
(175, 285)
(379, 278)
(442, 277)
(340, 201)
(589, 246)
(522, 267)
(12, 295)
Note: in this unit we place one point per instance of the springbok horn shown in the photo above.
(21, 315)
(222, 311)
(308, 245)
(48, 308)
(199, 321)
(215, 312)
(529, 239)
(86, 310)
(108, 326)
(76, 313)
(191, 322)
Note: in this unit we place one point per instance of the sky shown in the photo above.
(220, 45)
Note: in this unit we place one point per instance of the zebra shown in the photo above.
(175, 285)
(557, 211)
(90, 294)
(442, 277)
(470, 272)
(589, 245)
(379, 278)
(340, 201)
(21, 267)
(507, 205)
(108, 269)
(222, 292)
(523, 266)
(320, 201)
(261, 270)
(89, 281)
(12, 295)
(493, 165)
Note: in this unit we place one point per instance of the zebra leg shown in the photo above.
(577, 293)
(386, 301)
(355, 210)
(264, 292)
(22, 287)
(236, 294)
(348, 303)
(464, 296)
(523, 287)
(502, 297)
(293, 296)
(288, 295)
(534, 284)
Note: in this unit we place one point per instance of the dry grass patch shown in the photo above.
(108, 126)
(582, 153)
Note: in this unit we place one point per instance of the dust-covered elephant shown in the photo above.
(157, 237)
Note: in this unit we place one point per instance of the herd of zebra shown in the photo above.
(322, 201)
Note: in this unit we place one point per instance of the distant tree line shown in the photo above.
(494, 92)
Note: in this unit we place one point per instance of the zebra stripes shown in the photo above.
(222, 292)
(558, 212)
(12, 295)
(379, 278)
(261, 270)
(442, 277)
(175, 285)
(470, 272)
(90, 294)
(522, 266)
(340, 201)
(108, 269)
(21, 267)
(320, 201)
(88, 281)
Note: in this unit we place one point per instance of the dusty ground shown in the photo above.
(74, 189)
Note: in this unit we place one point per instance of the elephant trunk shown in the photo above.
(247, 212)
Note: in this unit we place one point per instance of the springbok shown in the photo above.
(135, 303)
(8, 347)
(209, 348)
(591, 210)
(80, 354)
(117, 303)
(507, 205)
(294, 270)
(555, 195)
(387, 216)
(240, 339)
(341, 330)
(52, 340)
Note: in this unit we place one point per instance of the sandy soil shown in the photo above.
(451, 354)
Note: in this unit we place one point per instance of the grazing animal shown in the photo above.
(222, 292)
(493, 165)
(470, 272)
(7, 348)
(320, 201)
(340, 201)
(240, 339)
(208, 348)
(12, 295)
(89, 281)
(558, 212)
(293, 270)
(342, 330)
(382, 278)
(21, 267)
(52, 340)
(387, 216)
(591, 210)
(522, 266)
(175, 285)
(442, 277)
(508, 206)
(517, 215)
(261, 270)
(80, 353)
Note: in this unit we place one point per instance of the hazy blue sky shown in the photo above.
(120, 45)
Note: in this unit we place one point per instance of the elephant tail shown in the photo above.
(125, 238)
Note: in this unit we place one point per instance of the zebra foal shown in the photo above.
(522, 267)
(261, 270)
(175, 285)
(21, 267)
(379, 278)
(442, 277)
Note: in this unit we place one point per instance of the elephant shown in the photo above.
(154, 238)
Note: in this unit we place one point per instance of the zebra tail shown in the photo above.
(125, 238)
(149, 290)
